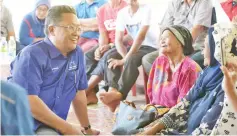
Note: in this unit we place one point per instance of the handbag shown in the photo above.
(129, 118)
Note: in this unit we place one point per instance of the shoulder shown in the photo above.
(190, 64)
(33, 51)
(123, 11)
(162, 59)
(28, 17)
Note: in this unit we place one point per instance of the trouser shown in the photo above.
(123, 80)
(148, 60)
(94, 67)
(45, 130)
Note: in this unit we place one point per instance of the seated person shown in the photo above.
(7, 28)
(135, 19)
(86, 12)
(16, 118)
(173, 73)
(192, 14)
(199, 110)
(227, 122)
(32, 26)
(53, 73)
(106, 17)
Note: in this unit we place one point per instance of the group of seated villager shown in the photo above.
(64, 52)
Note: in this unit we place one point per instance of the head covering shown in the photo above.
(184, 36)
(37, 4)
(205, 89)
(42, 2)
(225, 40)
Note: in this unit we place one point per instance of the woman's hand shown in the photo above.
(230, 76)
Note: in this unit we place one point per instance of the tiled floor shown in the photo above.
(100, 117)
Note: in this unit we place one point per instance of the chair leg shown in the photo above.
(145, 86)
(134, 90)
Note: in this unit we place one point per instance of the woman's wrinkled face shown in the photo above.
(169, 43)
(41, 12)
(206, 53)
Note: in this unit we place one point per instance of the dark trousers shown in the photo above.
(123, 80)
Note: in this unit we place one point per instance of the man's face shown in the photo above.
(67, 32)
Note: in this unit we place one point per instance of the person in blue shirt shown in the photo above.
(86, 12)
(53, 73)
(32, 25)
(16, 118)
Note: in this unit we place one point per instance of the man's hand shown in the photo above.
(70, 130)
(91, 132)
(113, 63)
(97, 54)
(104, 48)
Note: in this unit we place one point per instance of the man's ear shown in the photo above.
(51, 30)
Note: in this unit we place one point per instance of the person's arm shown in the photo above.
(42, 113)
(156, 128)
(80, 108)
(202, 19)
(10, 27)
(103, 38)
(209, 119)
(89, 24)
(145, 25)
(197, 30)
(119, 35)
(229, 82)
(138, 41)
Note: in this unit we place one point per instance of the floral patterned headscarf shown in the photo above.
(225, 36)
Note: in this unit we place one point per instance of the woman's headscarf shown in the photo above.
(225, 35)
(37, 4)
(203, 94)
(184, 36)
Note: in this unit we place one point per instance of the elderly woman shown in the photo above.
(173, 73)
(198, 111)
(32, 26)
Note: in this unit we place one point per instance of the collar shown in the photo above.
(53, 51)
(182, 1)
(84, 2)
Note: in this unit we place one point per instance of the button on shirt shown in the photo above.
(84, 10)
(43, 71)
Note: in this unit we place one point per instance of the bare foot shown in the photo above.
(112, 105)
(108, 97)
(111, 99)
(92, 98)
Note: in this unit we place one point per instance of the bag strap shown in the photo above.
(130, 103)
(150, 105)
(30, 28)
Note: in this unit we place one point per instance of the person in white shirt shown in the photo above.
(136, 20)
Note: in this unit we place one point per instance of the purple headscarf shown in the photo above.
(37, 4)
